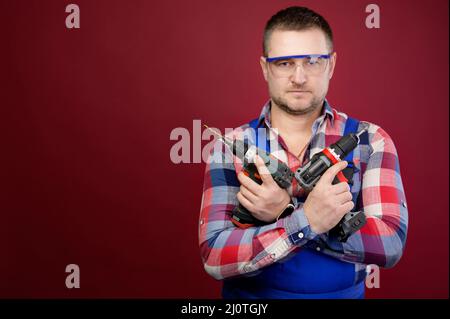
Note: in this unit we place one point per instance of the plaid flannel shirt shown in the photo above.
(229, 251)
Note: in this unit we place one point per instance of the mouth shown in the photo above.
(298, 92)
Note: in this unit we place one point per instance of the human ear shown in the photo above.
(332, 65)
(263, 63)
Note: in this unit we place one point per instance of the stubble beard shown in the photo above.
(284, 106)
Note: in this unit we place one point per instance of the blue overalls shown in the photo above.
(306, 275)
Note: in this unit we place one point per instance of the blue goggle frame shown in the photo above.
(278, 58)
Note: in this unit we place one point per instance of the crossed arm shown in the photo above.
(228, 251)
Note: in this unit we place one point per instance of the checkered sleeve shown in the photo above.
(227, 250)
(382, 240)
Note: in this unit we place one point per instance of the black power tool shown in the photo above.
(307, 176)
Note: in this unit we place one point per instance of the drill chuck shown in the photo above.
(345, 145)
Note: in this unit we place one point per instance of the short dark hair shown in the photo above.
(296, 19)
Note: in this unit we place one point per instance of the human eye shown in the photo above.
(284, 63)
(311, 60)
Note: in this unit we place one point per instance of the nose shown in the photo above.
(299, 76)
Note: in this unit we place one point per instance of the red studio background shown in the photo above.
(86, 116)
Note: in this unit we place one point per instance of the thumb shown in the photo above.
(331, 173)
(263, 170)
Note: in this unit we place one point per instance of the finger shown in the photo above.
(251, 185)
(330, 173)
(263, 170)
(341, 188)
(248, 194)
(245, 202)
(345, 208)
(344, 197)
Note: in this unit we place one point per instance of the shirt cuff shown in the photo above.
(297, 227)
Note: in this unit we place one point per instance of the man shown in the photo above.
(295, 256)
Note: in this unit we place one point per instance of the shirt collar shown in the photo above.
(264, 117)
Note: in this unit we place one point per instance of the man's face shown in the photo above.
(301, 92)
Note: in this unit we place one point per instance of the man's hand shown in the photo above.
(326, 204)
(265, 201)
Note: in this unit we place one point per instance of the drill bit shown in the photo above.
(222, 138)
(238, 148)
(360, 132)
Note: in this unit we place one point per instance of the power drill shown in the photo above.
(281, 173)
(307, 176)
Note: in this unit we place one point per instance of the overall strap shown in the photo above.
(254, 124)
(351, 126)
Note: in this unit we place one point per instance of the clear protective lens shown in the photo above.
(311, 65)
